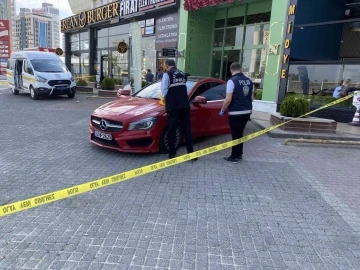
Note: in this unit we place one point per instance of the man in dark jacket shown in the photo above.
(238, 102)
(149, 77)
(174, 91)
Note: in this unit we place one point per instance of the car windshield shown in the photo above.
(153, 91)
(45, 65)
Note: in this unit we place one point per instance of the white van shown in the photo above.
(40, 74)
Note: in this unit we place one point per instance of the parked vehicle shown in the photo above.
(40, 74)
(137, 123)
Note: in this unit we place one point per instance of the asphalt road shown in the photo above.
(282, 207)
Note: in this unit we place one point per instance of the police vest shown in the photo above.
(177, 96)
(241, 102)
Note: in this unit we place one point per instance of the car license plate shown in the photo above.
(102, 135)
(61, 88)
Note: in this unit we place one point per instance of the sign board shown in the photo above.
(356, 99)
(40, 11)
(122, 47)
(132, 7)
(169, 52)
(96, 15)
(167, 29)
(5, 50)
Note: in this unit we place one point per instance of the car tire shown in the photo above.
(71, 95)
(33, 94)
(14, 91)
(163, 143)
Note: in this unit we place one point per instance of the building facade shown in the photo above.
(33, 31)
(37, 27)
(49, 10)
(8, 12)
(77, 6)
(98, 40)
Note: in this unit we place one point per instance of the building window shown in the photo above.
(241, 39)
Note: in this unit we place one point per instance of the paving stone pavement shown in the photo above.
(282, 207)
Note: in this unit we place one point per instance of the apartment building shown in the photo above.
(33, 31)
(8, 12)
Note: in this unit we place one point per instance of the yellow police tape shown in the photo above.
(110, 180)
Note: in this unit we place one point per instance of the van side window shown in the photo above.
(27, 68)
(11, 64)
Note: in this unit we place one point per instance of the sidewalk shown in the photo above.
(344, 132)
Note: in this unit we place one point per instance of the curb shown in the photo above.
(285, 135)
(322, 141)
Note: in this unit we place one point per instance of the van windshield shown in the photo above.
(45, 65)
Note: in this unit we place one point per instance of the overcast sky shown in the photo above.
(65, 10)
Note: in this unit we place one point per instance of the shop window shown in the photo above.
(258, 18)
(74, 37)
(218, 38)
(114, 40)
(220, 23)
(253, 64)
(84, 44)
(216, 66)
(84, 35)
(234, 36)
(75, 46)
(84, 63)
(103, 32)
(257, 34)
(120, 29)
(75, 64)
(352, 73)
(103, 42)
(306, 79)
(235, 21)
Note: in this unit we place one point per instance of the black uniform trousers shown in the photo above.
(237, 125)
(173, 118)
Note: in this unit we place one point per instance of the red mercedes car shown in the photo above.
(137, 123)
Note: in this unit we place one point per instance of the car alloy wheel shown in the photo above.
(164, 141)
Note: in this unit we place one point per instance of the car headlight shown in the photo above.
(72, 78)
(40, 79)
(143, 124)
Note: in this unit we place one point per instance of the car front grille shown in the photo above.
(59, 82)
(111, 125)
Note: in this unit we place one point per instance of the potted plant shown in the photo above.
(107, 88)
(82, 86)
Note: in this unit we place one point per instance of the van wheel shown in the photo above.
(164, 142)
(33, 95)
(71, 95)
(14, 91)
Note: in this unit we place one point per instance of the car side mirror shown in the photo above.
(123, 92)
(200, 100)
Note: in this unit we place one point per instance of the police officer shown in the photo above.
(238, 102)
(174, 91)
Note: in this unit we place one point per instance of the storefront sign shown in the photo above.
(169, 52)
(287, 41)
(122, 47)
(59, 51)
(131, 7)
(96, 15)
(5, 48)
(167, 28)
